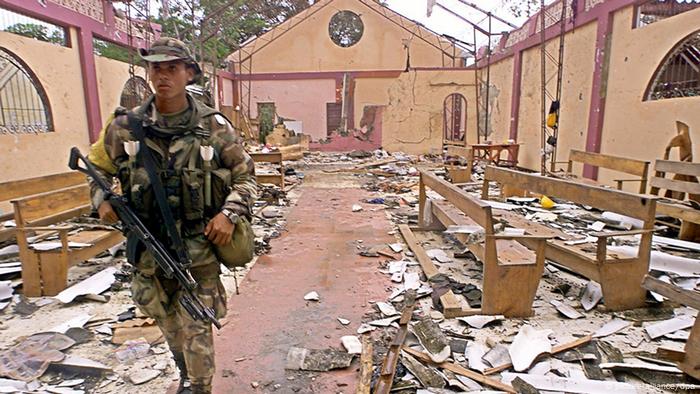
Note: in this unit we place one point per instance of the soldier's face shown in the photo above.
(170, 78)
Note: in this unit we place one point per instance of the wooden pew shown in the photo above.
(619, 276)
(683, 185)
(690, 361)
(454, 157)
(26, 187)
(637, 168)
(273, 158)
(45, 273)
(504, 259)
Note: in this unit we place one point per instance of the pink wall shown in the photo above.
(303, 100)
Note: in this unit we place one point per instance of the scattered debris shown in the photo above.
(312, 296)
(144, 375)
(611, 327)
(95, 284)
(352, 344)
(317, 360)
(432, 339)
(528, 345)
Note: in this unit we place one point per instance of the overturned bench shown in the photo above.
(45, 272)
(504, 258)
(620, 277)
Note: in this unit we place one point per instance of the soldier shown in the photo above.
(209, 182)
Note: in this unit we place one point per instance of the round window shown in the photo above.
(345, 28)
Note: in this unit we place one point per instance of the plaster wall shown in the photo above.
(370, 91)
(111, 77)
(499, 101)
(633, 127)
(413, 119)
(579, 58)
(58, 70)
(308, 47)
(303, 100)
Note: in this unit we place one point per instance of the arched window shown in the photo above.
(135, 91)
(24, 107)
(679, 73)
(455, 118)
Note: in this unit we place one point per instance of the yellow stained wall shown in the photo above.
(500, 96)
(31, 155)
(633, 127)
(370, 91)
(111, 77)
(413, 120)
(58, 70)
(308, 47)
(579, 58)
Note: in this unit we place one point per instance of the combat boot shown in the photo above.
(183, 386)
(200, 389)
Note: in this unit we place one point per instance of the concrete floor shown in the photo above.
(318, 253)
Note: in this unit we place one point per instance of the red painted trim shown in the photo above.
(596, 114)
(92, 97)
(515, 95)
(226, 74)
(351, 103)
(317, 75)
(583, 18)
(66, 17)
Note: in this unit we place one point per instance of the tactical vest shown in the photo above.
(182, 172)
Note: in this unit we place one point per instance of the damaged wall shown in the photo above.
(635, 54)
(579, 56)
(303, 100)
(307, 47)
(413, 119)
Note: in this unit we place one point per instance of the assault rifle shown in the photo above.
(132, 224)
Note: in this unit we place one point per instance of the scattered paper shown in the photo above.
(611, 327)
(352, 344)
(77, 321)
(397, 247)
(528, 345)
(669, 326)
(591, 295)
(474, 353)
(566, 309)
(95, 284)
(356, 208)
(52, 245)
(344, 322)
(312, 296)
(557, 384)
(439, 255)
(387, 309)
(480, 321)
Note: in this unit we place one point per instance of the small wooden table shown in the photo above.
(491, 153)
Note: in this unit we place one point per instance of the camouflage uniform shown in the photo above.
(175, 141)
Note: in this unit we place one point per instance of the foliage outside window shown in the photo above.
(653, 11)
(345, 28)
(679, 74)
(13, 22)
(24, 106)
(113, 51)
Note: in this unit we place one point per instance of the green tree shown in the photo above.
(38, 32)
(113, 51)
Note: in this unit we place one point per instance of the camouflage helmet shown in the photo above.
(167, 49)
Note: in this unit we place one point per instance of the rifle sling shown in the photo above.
(136, 126)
